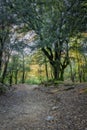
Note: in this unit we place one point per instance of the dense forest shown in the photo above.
(43, 40)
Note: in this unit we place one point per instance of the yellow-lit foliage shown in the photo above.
(74, 52)
(77, 56)
(36, 71)
(37, 65)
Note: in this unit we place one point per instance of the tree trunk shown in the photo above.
(56, 71)
(1, 52)
(0, 59)
(80, 76)
(16, 77)
(5, 70)
(23, 74)
(54, 62)
(62, 75)
(11, 78)
(46, 68)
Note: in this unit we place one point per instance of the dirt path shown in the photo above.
(39, 108)
(23, 108)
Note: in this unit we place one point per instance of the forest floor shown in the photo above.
(32, 107)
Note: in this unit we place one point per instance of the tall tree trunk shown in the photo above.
(57, 61)
(46, 68)
(56, 72)
(0, 59)
(62, 75)
(16, 77)
(1, 52)
(5, 70)
(23, 74)
(80, 76)
(11, 78)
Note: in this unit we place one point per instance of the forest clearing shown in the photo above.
(33, 107)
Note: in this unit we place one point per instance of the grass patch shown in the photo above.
(33, 81)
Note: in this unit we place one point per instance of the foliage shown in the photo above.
(59, 32)
(50, 21)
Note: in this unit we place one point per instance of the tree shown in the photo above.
(54, 22)
(6, 21)
(57, 36)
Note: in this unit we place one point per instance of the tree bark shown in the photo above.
(46, 68)
(11, 78)
(5, 70)
(1, 52)
(62, 75)
(55, 63)
(16, 77)
(23, 74)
